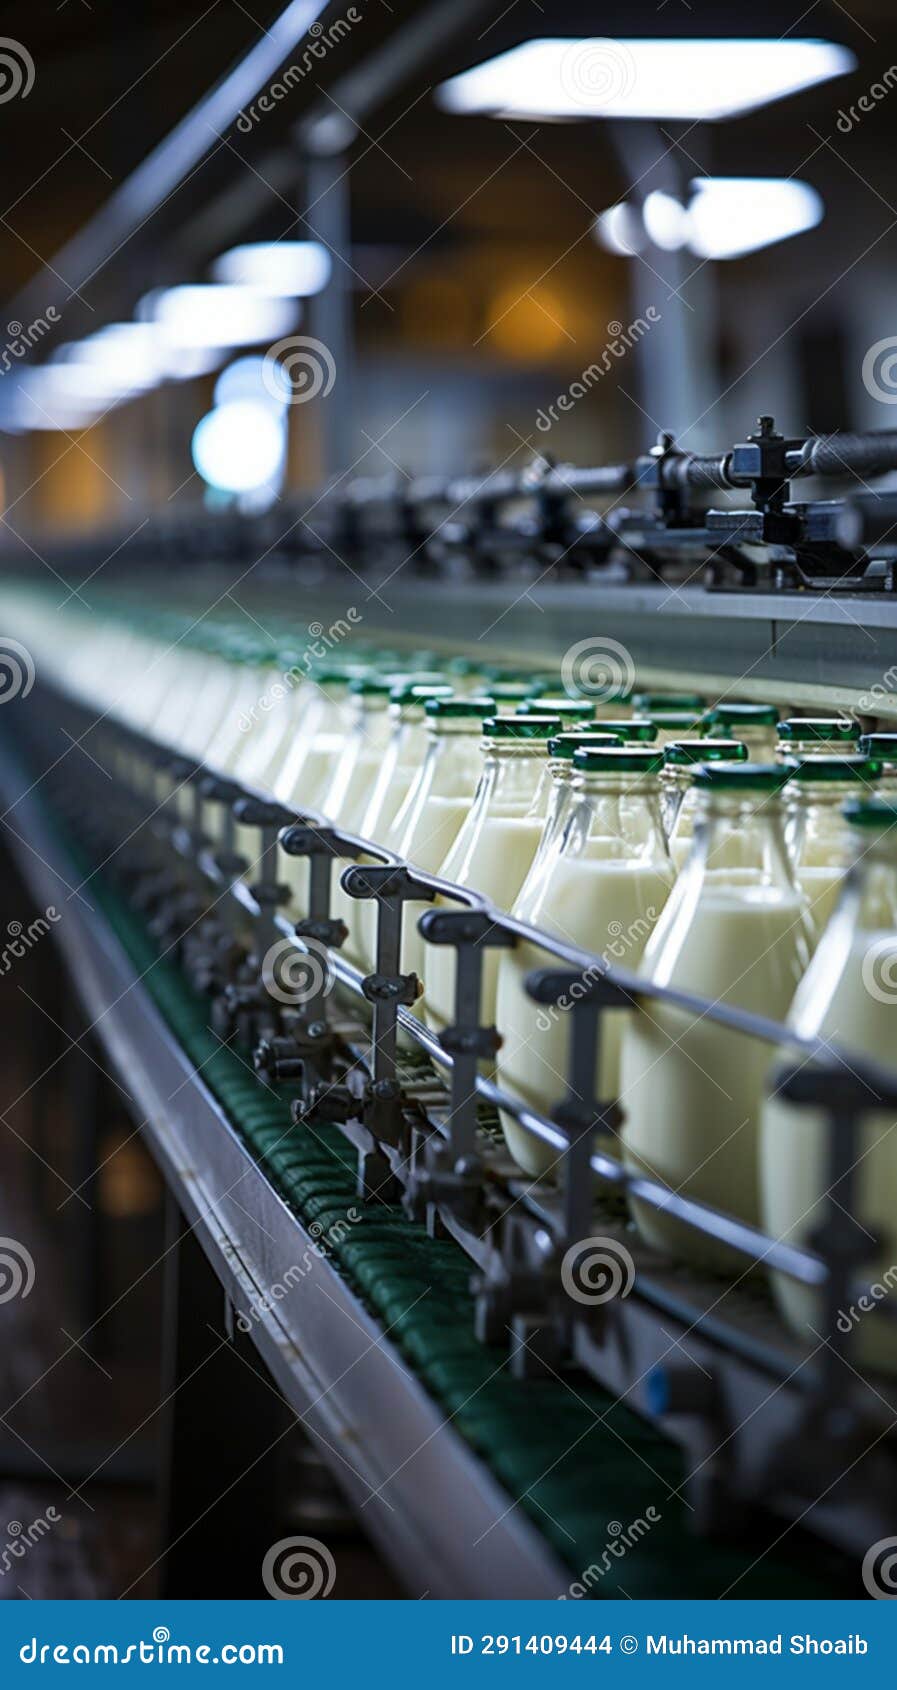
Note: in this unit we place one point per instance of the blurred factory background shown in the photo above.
(469, 267)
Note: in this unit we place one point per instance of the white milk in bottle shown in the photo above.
(425, 826)
(847, 998)
(320, 732)
(600, 886)
(733, 932)
(309, 764)
(284, 689)
(253, 659)
(495, 846)
(402, 759)
(354, 777)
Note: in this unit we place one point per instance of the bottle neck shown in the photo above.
(739, 838)
(514, 778)
(677, 777)
(616, 816)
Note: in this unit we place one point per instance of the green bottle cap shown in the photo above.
(451, 708)
(746, 777)
(804, 729)
(634, 729)
(417, 692)
(742, 716)
(510, 692)
(684, 721)
(564, 745)
(870, 813)
(882, 746)
(335, 677)
(571, 709)
(809, 769)
(681, 753)
(373, 686)
(521, 727)
(651, 701)
(623, 759)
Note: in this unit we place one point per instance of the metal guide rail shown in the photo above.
(765, 1422)
(546, 517)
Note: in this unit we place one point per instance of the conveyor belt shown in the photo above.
(579, 1464)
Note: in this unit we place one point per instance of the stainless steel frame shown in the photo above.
(436, 1512)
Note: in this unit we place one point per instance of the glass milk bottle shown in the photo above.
(753, 724)
(883, 749)
(286, 683)
(399, 767)
(846, 999)
(424, 828)
(353, 779)
(204, 679)
(307, 771)
(561, 752)
(323, 720)
(403, 756)
(354, 771)
(733, 932)
(205, 720)
(816, 831)
(600, 886)
(816, 736)
(253, 660)
(495, 845)
(291, 722)
(681, 760)
(561, 777)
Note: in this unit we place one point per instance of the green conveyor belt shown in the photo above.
(579, 1463)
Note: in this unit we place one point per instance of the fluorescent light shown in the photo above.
(288, 269)
(39, 403)
(620, 230)
(239, 447)
(207, 315)
(666, 221)
(124, 356)
(726, 217)
(124, 359)
(251, 378)
(732, 215)
(592, 77)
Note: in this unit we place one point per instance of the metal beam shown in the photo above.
(413, 46)
(165, 169)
